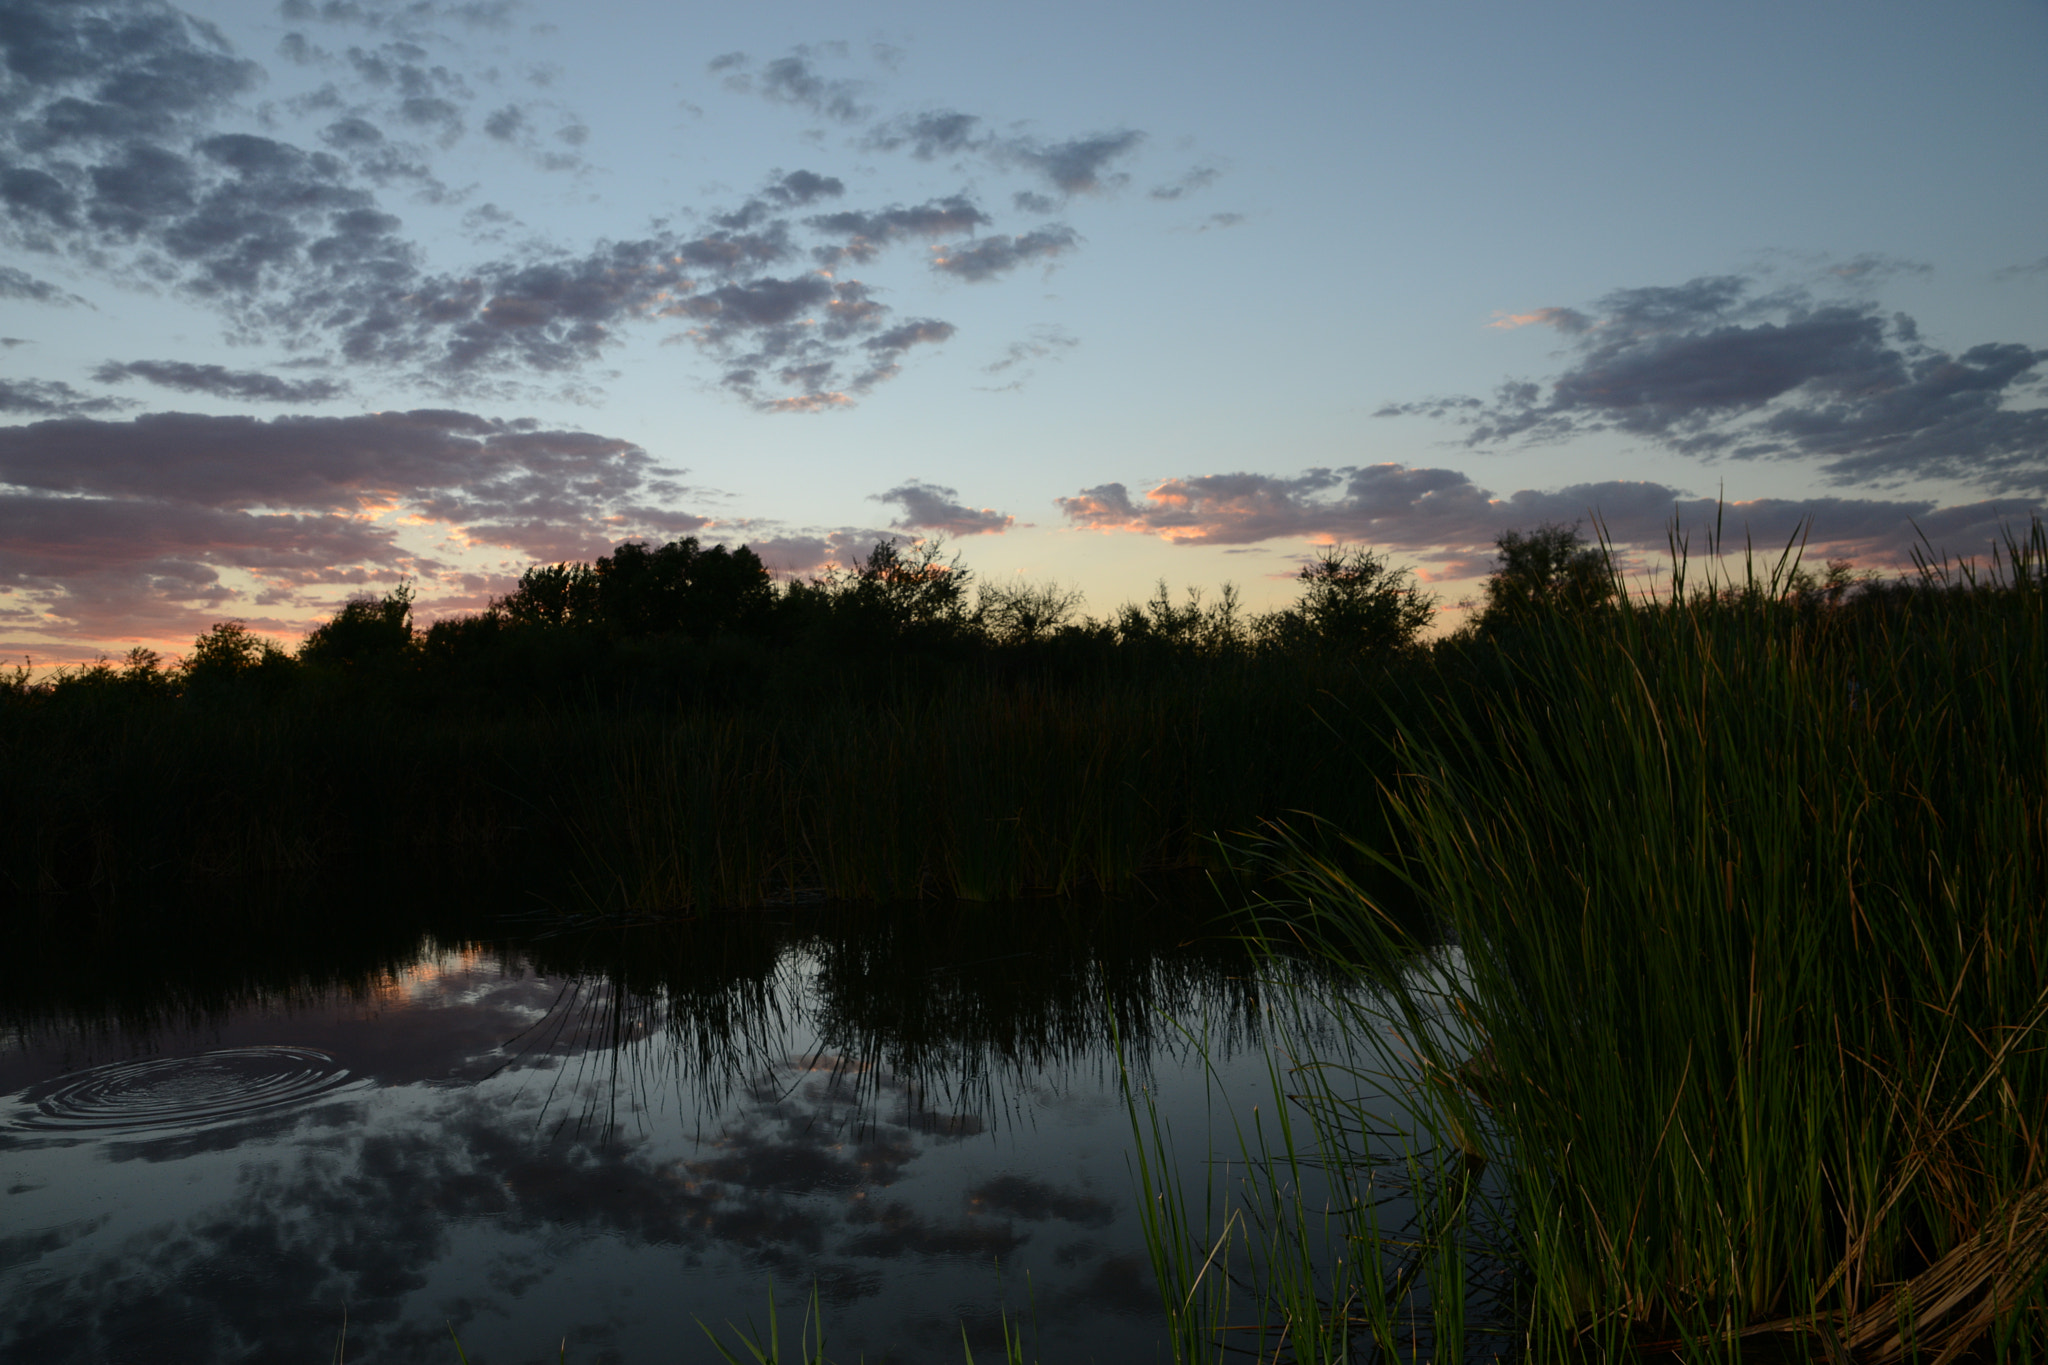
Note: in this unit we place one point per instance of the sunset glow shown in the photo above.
(303, 300)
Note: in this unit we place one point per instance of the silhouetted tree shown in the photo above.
(1827, 590)
(636, 592)
(898, 592)
(681, 589)
(1548, 570)
(552, 595)
(366, 629)
(1352, 600)
(230, 655)
(1159, 626)
(1024, 613)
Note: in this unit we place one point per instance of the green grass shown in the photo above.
(1746, 1015)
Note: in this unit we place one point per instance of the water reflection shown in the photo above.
(605, 1137)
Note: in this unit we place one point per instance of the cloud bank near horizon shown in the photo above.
(1449, 524)
(165, 522)
(157, 526)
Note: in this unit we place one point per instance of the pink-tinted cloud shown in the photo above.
(1450, 523)
(138, 529)
(798, 555)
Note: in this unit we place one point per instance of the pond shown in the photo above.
(242, 1144)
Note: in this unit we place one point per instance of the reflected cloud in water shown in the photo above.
(611, 1139)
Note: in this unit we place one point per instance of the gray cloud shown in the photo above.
(292, 245)
(1079, 165)
(935, 507)
(806, 553)
(407, 20)
(992, 256)
(19, 284)
(126, 153)
(884, 350)
(221, 382)
(1709, 370)
(1450, 522)
(323, 464)
(50, 398)
(796, 80)
(2014, 272)
(866, 233)
(794, 190)
(1043, 343)
(1019, 359)
(1199, 178)
(929, 136)
(1871, 268)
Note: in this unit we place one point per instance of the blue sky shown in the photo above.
(301, 299)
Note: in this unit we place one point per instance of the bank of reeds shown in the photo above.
(983, 788)
(1738, 989)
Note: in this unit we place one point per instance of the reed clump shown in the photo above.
(1740, 962)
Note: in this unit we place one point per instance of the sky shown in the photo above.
(301, 299)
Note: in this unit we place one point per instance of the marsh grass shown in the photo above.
(1740, 985)
(1326, 1232)
(980, 789)
(747, 1347)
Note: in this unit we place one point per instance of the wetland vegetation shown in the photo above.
(1687, 952)
(1725, 1041)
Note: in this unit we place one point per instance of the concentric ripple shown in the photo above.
(181, 1092)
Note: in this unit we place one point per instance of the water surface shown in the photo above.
(604, 1138)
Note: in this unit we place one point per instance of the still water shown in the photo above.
(607, 1138)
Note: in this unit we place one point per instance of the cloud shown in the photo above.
(98, 569)
(989, 257)
(790, 191)
(1443, 516)
(408, 20)
(19, 284)
(221, 382)
(1078, 165)
(795, 80)
(929, 135)
(886, 348)
(1875, 268)
(1710, 369)
(51, 398)
(134, 152)
(866, 233)
(115, 527)
(292, 246)
(1564, 319)
(1019, 357)
(934, 507)
(800, 554)
(1199, 178)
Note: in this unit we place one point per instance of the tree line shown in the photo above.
(712, 619)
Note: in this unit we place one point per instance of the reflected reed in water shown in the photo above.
(606, 1133)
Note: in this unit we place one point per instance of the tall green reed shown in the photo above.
(1746, 983)
(1325, 1231)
